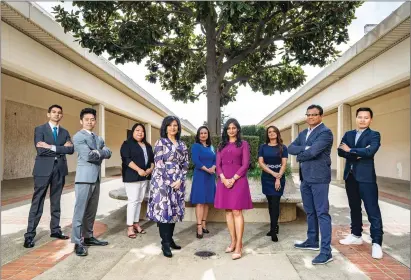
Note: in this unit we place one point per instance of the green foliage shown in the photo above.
(206, 43)
(254, 130)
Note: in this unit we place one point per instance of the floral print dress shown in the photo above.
(166, 205)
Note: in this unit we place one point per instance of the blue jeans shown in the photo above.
(367, 192)
(316, 206)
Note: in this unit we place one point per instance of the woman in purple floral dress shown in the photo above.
(166, 202)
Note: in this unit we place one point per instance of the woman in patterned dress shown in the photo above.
(166, 202)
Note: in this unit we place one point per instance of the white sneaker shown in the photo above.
(351, 240)
(376, 251)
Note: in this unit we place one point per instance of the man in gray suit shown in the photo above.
(91, 152)
(313, 148)
(52, 143)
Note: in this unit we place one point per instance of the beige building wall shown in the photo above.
(392, 120)
(24, 110)
(22, 55)
(155, 135)
(286, 135)
(331, 121)
(116, 134)
(388, 69)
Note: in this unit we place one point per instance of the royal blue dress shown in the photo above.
(203, 188)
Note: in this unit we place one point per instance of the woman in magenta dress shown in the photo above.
(233, 192)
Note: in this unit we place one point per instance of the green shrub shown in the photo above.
(254, 130)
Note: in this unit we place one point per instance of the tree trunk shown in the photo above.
(213, 88)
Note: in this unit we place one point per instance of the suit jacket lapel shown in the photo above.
(315, 131)
(90, 139)
(60, 138)
(49, 133)
(365, 132)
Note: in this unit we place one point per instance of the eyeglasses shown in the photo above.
(312, 115)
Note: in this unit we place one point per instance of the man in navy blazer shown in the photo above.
(313, 148)
(358, 147)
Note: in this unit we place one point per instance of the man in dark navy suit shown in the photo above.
(313, 148)
(358, 147)
(52, 143)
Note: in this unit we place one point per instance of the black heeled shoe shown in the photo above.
(199, 236)
(274, 237)
(204, 229)
(166, 250)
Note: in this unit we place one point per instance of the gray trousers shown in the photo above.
(85, 209)
(41, 184)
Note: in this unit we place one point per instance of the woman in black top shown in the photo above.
(272, 158)
(137, 164)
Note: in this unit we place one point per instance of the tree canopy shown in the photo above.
(215, 46)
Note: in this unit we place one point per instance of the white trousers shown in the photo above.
(135, 193)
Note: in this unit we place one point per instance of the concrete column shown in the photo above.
(2, 128)
(344, 124)
(148, 132)
(100, 129)
(294, 134)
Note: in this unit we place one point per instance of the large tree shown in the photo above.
(215, 46)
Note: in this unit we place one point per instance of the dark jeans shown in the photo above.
(316, 206)
(367, 192)
(273, 210)
(41, 184)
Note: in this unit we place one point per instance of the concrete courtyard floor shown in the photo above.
(141, 258)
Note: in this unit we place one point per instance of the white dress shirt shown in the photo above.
(52, 126)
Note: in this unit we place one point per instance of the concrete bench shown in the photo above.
(288, 204)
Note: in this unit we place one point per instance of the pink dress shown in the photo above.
(230, 161)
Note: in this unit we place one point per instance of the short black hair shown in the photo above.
(86, 111)
(166, 122)
(364, 109)
(144, 140)
(55, 106)
(208, 141)
(318, 107)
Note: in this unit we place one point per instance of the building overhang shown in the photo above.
(391, 31)
(33, 21)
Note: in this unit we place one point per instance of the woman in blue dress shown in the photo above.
(203, 188)
(272, 158)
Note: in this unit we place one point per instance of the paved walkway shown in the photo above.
(141, 258)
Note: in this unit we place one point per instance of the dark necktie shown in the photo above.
(94, 139)
(55, 134)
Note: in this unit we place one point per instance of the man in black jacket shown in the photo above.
(52, 143)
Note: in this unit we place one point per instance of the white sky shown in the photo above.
(250, 107)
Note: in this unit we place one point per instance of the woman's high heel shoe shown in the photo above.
(198, 235)
(204, 229)
(229, 250)
(237, 256)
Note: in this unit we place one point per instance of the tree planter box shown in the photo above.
(288, 206)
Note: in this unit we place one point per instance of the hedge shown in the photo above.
(254, 130)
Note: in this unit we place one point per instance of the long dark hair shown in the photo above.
(224, 136)
(166, 122)
(208, 141)
(144, 140)
(279, 139)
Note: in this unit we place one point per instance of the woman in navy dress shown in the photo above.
(203, 187)
(272, 158)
